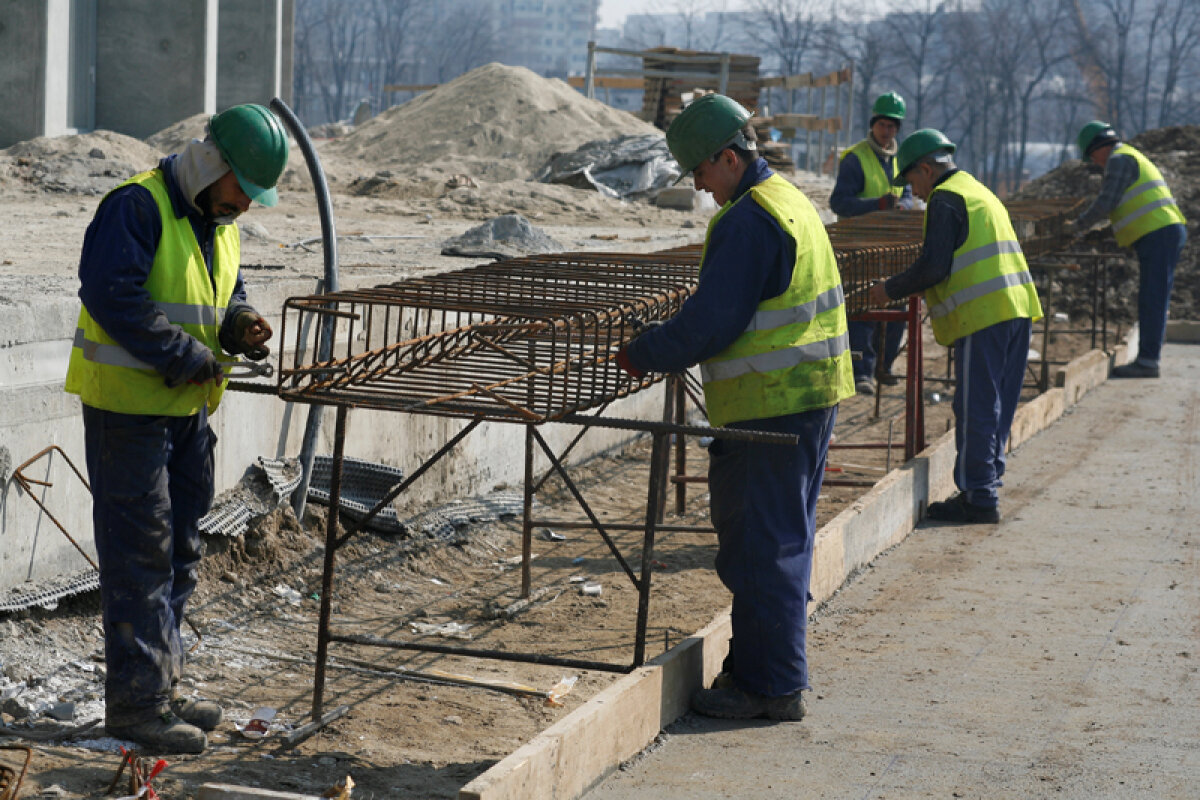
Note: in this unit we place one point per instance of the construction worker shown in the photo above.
(1145, 217)
(163, 307)
(767, 325)
(981, 301)
(864, 185)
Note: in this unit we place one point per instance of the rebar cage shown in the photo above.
(535, 339)
(528, 339)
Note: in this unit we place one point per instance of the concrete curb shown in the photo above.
(580, 750)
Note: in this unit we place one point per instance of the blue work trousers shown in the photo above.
(989, 368)
(1158, 253)
(764, 507)
(152, 481)
(862, 340)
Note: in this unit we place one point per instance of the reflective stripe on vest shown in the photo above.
(1147, 205)
(107, 376)
(989, 281)
(876, 180)
(794, 354)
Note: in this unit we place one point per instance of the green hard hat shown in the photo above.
(253, 144)
(918, 145)
(1095, 134)
(890, 105)
(707, 126)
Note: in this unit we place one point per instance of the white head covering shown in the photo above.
(199, 166)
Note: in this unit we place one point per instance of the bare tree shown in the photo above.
(1119, 17)
(1182, 40)
(920, 60)
(868, 45)
(459, 36)
(786, 31)
(394, 32)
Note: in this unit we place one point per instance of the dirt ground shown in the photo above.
(256, 607)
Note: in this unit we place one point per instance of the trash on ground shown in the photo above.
(627, 166)
(591, 589)
(448, 630)
(560, 690)
(260, 723)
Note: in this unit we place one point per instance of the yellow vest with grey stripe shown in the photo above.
(1146, 206)
(106, 375)
(989, 281)
(794, 355)
(876, 181)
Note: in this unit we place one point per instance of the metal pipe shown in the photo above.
(312, 428)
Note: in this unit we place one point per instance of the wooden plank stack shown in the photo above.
(662, 98)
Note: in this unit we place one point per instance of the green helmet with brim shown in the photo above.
(890, 105)
(253, 144)
(1093, 135)
(706, 127)
(918, 145)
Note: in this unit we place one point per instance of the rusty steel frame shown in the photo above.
(533, 340)
(659, 465)
(26, 484)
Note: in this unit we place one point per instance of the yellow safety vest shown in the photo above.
(876, 181)
(106, 375)
(794, 355)
(989, 281)
(1146, 206)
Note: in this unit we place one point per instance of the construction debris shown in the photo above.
(628, 166)
(507, 236)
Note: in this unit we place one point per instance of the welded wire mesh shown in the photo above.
(536, 338)
(532, 338)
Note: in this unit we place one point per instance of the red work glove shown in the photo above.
(887, 202)
(624, 363)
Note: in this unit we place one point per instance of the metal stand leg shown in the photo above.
(659, 465)
(331, 526)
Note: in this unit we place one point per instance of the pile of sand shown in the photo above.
(173, 138)
(86, 163)
(1176, 153)
(495, 122)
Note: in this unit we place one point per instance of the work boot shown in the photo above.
(1134, 370)
(734, 703)
(165, 733)
(724, 680)
(864, 385)
(958, 509)
(888, 379)
(204, 714)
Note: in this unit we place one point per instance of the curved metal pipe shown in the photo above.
(312, 428)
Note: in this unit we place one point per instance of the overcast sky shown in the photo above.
(613, 12)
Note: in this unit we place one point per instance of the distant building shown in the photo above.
(548, 36)
(136, 67)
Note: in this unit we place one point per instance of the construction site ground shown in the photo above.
(255, 608)
(1053, 655)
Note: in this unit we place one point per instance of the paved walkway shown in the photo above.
(1055, 655)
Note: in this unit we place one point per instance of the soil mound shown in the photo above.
(495, 122)
(86, 163)
(172, 138)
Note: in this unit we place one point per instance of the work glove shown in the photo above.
(624, 363)
(887, 202)
(209, 370)
(249, 334)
